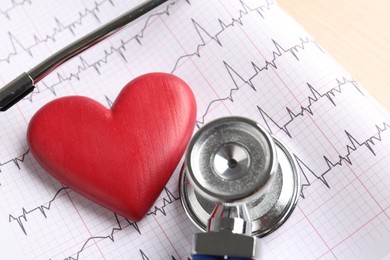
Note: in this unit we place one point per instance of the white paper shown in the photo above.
(246, 58)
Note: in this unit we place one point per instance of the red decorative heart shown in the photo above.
(121, 158)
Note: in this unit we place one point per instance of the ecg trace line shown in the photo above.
(14, 5)
(121, 48)
(312, 99)
(84, 65)
(145, 257)
(15, 160)
(235, 76)
(279, 51)
(315, 97)
(140, 35)
(353, 146)
(18, 48)
(41, 208)
(109, 101)
(203, 34)
(169, 199)
(110, 236)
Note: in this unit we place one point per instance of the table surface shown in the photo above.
(356, 33)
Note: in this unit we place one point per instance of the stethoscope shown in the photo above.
(24, 84)
(238, 182)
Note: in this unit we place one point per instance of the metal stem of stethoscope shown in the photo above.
(21, 86)
(238, 182)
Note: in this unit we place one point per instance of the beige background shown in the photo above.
(356, 33)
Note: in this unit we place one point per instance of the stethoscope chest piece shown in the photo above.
(233, 162)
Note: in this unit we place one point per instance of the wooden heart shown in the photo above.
(121, 158)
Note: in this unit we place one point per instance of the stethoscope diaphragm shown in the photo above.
(233, 161)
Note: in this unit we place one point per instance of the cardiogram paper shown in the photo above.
(241, 57)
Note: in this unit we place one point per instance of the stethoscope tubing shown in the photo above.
(21, 86)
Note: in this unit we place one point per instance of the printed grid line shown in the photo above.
(226, 107)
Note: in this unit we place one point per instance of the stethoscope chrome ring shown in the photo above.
(230, 160)
(249, 147)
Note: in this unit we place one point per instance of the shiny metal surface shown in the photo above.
(230, 218)
(224, 243)
(267, 211)
(230, 160)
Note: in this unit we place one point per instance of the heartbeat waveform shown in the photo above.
(239, 81)
(206, 37)
(14, 5)
(166, 201)
(353, 146)
(312, 99)
(234, 78)
(169, 199)
(110, 236)
(121, 48)
(84, 65)
(145, 257)
(41, 208)
(109, 101)
(15, 160)
(18, 48)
